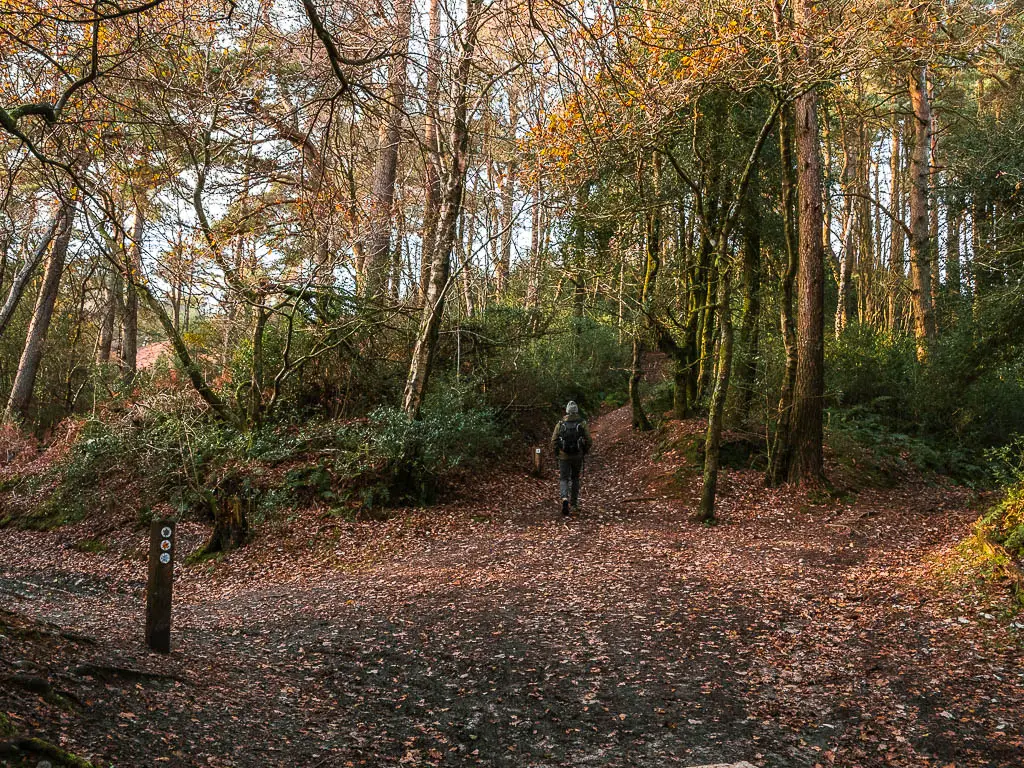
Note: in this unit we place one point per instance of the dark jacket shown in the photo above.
(586, 438)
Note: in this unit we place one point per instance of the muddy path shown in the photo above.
(490, 631)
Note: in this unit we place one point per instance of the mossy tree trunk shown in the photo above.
(640, 420)
(231, 504)
(749, 336)
(713, 438)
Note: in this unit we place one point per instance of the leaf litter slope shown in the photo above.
(490, 631)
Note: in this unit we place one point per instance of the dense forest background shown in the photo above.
(314, 279)
(255, 255)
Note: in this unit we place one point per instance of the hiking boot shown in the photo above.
(565, 507)
(574, 508)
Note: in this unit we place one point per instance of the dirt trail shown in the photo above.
(489, 631)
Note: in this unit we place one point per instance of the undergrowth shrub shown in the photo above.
(940, 416)
(873, 374)
(334, 440)
(167, 450)
(455, 429)
(862, 439)
(1004, 523)
(574, 358)
(77, 479)
(163, 449)
(658, 397)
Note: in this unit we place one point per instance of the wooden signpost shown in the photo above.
(536, 462)
(158, 588)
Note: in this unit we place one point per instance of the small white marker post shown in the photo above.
(536, 462)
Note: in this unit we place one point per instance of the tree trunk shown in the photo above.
(698, 297)
(806, 430)
(5, 255)
(230, 504)
(896, 264)
(713, 438)
(130, 318)
(71, 393)
(425, 346)
(504, 262)
(466, 242)
(781, 451)
(749, 330)
(105, 339)
(376, 260)
(189, 365)
(254, 415)
(579, 288)
(954, 225)
(920, 250)
(533, 286)
(32, 354)
(983, 250)
(845, 305)
(432, 169)
(397, 257)
(652, 264)
(866, 261)
(639, 418)
(933, 192)
(707, 333)
(21, 280)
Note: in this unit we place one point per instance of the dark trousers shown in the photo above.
(569, 478)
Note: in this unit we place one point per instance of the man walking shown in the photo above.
(570, 442)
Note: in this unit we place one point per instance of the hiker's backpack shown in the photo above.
(571, 440)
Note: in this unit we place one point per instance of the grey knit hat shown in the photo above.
(571, 408)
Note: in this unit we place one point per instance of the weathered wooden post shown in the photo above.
(536, 462)
(158, 588)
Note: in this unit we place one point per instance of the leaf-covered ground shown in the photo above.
(489, 631)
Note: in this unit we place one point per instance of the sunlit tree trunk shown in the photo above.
(920, 243)
(504, 261)
(867, 263)
(934, 181)
(130, 317)
(32, 353)
(432, 159)
(425, 346)
(806, 430)
(846, 303)
(24, 275)
(376, 260)
(896, 263)
(536, 256)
